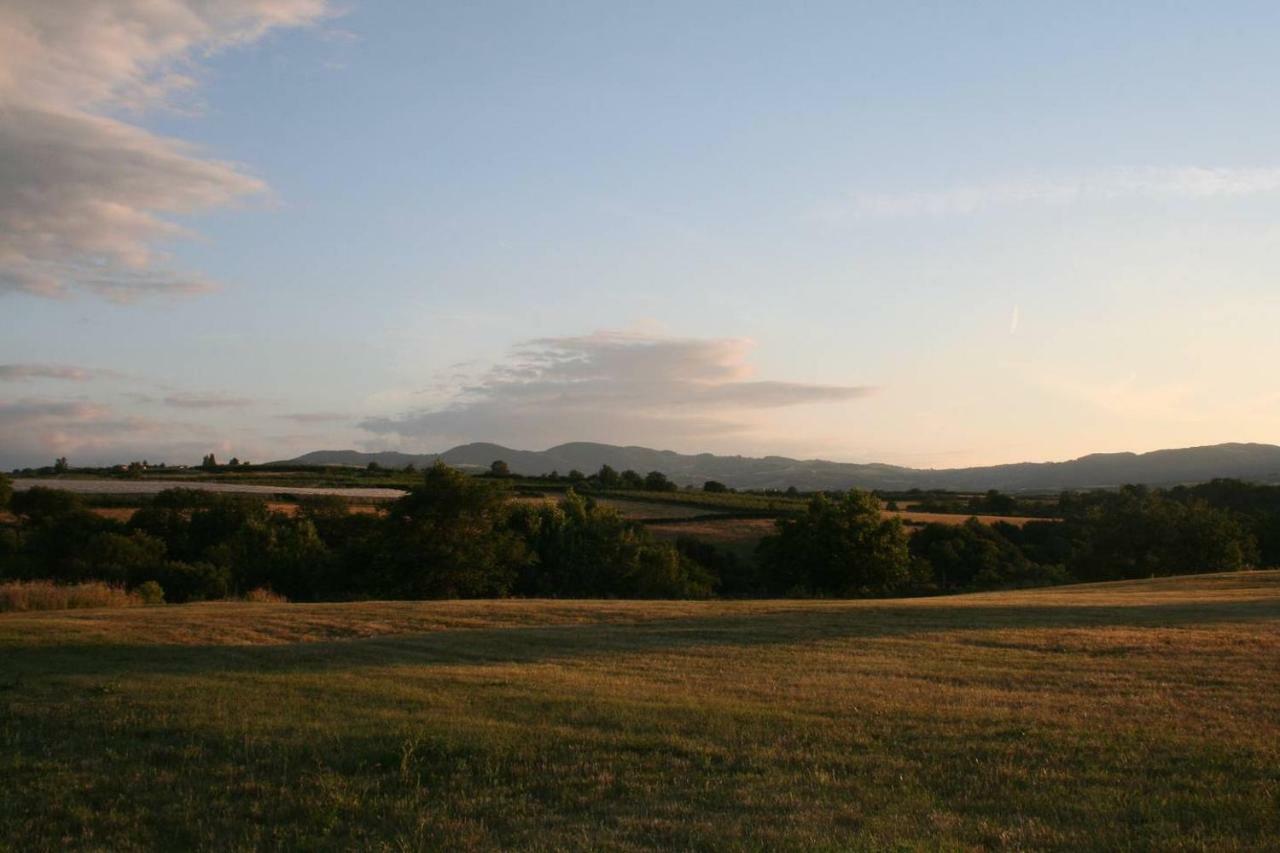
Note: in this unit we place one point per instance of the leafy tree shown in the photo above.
(125, 558)
(1257, 507)
(631, 480)
(40, 504)
(448, 538)
(837, 547)
(1136, 533)
(60, 465)
(974, 556)
(656, 481)
(582, 549)
(732, 576)
(608, 477)
(209, 461)
(193, 581)
(6, 491)
(373, 467)
(498, 468)
(714, 486)
(995, 503)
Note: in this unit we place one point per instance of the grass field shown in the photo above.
(1129, 715)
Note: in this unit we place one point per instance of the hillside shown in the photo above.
(1256, 462)
(1110, 716)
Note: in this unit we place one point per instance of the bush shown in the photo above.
(151, 593)
(18, 596)
(264, 595)
(40, 504)
(193, 581)
(732, 576)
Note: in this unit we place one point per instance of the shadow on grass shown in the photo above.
(538, 644)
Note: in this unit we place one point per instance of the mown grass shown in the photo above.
(1133, 715)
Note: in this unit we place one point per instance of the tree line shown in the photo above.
(458, 536)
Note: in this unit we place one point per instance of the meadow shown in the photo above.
(1138, 714)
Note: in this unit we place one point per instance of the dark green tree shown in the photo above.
(448, 538)
(656, 481)
(976, 556)
(582, 549)
(1138, 533)
(837, 547)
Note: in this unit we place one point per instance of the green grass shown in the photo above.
(1133, 715)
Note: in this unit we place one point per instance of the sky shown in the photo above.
(930, 234)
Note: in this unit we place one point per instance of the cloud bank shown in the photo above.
(39, 428)
(614, 386)
(84, 195)
(1114, 184)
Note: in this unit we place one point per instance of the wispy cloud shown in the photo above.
(1189, 182)
(71, 373)
(34, 428)
(614, 386)
(315, 417)
(85, 196)
(207, 401)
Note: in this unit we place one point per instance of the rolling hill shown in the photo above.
(1256, 462)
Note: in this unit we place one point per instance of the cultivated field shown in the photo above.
(1130, 715)
(155, 486)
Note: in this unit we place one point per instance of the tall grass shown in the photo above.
(46, 595)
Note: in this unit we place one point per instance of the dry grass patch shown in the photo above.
(1112, 716)
(22, 596)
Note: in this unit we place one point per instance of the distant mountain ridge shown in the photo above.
(1255, 462)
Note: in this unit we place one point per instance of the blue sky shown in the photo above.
(913, 233)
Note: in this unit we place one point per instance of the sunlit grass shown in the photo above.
(47, 595)
(1139, 714)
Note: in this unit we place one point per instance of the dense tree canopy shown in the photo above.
(838, 546)
(458, 536)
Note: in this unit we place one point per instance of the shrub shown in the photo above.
(264, 595)
(17, 596)
(41, 504)
(151, 593)
(194, 581)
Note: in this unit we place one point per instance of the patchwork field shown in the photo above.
(1129, 715)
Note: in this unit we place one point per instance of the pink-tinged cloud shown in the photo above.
(85, 197)
(66, 372)
(36, 428)
(616, 386)
(207, 401)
